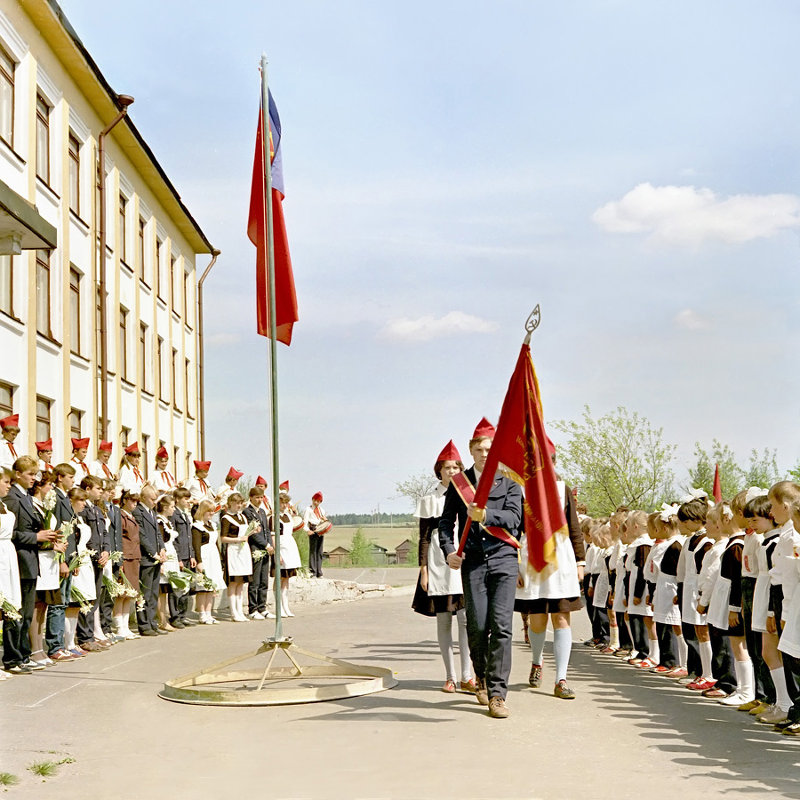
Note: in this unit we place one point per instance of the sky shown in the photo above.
(629, 165)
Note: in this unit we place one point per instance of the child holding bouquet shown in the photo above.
(234, 532)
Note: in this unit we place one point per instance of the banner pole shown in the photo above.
(273, 350)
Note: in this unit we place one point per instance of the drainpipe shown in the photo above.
(201, 353)
(123, 100)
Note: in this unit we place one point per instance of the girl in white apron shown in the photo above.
(238, 558)
(9, 565)
(165, 508)
(638, 612)
(621, 644)
(776, 704)
(289, 552)
(439, 591)
(204, 542)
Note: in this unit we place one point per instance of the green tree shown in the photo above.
(617, 459)
(763, 469)
(361, 550)
(701, 475)
(416, 486)
(794, 474)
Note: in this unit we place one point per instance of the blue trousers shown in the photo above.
(54, 626)
(489, 588)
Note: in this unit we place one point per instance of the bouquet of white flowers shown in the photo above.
(114, 588)
(252, 527)
(64, 532)
(77, 596)
(202, 583)
(115, 556)
(179, 581)
(10, 611)
(258, 555)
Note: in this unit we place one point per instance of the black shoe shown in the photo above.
(148, 632)
(177, 624)
(159, 632)
(188, 623)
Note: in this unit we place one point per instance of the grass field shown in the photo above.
(384, 535)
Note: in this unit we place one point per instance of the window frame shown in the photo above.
(11, 80)
(75, 310)
(122, 356)
(10, 310)
(43, 422)
(43, 125)
(74, 155)
(43, 266)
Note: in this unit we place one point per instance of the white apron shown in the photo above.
(550, 584)
(171, 564)
(602, 586)
(691, 594)
(441, 579)
(84, 580)
(665, 610)
(790, 638)
(643, 609)
(9, 565)
(209, 558)
(719, 605)
(290, 555)
(763, 582)
(620, 605)
(240, 560)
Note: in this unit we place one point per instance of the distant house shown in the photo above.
(380, 555)
(338, 557)
(402, 551)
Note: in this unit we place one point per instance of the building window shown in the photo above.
(42, 139)
(160, 367)
(7, 67)
(123, 233)
(101, 434)
(175, 377)
(188, 463)
(43, 292)
(186, 297)
(74, 175)
(123, 343)
(124, 438)
(98, 321)
(75, 418)
(7, 285)
(140, 246)
(75, 310)
(6, 399)
(186, 383)
(159, 287)
(175, 455)
(43, 418)
(143, 382)
(172, 284)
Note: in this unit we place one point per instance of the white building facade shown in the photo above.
(54, 103)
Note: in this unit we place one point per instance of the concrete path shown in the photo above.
(626, 735)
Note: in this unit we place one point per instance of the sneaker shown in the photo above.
(497, 708)
(591, 643)
(257, 615)
(646, 664)
(468, 686)
(734, 699)
(715, 694)
(773, 715)
(677, 672)
(661, 670)
(793, 729)
(749, 706)
(449, 687)
(761, 708)
(62, 655)
(689, 679)
(19, 669)
(78, 652)
(634, 662)
(34, 666)
(269, 615)
(563, 691)
(535, 677)
(701, 685)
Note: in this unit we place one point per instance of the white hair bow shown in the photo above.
(753, 492)
(694, 494)
(668, 511)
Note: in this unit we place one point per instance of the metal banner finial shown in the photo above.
(532, 323)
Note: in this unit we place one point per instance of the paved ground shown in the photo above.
(410, 742)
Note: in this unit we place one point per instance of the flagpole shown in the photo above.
(273, 349)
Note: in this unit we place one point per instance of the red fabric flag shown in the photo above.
(285, 298)
(717, 492)
(519, 449)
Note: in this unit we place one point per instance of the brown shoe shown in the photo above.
(497, 708)
(480, 692)
(563, 691)
(535, 677)
(469, 686)
(91, 647)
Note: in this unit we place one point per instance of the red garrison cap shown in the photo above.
(162, 452)
(10, 422)
(485, 429)
(48, 445)
(80, 444)
(317, 496)
(234, 473)
(133, 449)
(261, 481)
(449, 453)
(106, 446)
(284, 487)
(202, 465)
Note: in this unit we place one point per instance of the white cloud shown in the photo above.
(423, 329)
(687, 215)
(691, 321)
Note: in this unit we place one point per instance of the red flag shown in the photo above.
(519, 449)
(285, 298)
(717, 487)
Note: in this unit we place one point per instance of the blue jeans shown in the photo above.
(489, 589)
(54, 626)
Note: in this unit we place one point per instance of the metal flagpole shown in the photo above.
(273, 349)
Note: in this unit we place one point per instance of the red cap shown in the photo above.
(261, 481)
(205, 466)
(48, 445)
(284, 487)
(449, 453)
(133, 449)
(234, 474)
(484, 430)
(162, 452)
(80, 444)
(106, 446)
(317, 496)
(10, 422)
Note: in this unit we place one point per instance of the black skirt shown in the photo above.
(431, 605)
(561, 605)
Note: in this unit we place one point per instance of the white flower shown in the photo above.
(50, 500)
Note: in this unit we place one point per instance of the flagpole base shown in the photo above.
(323, 679)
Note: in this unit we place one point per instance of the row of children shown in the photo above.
(705, 594)
(73, 563)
